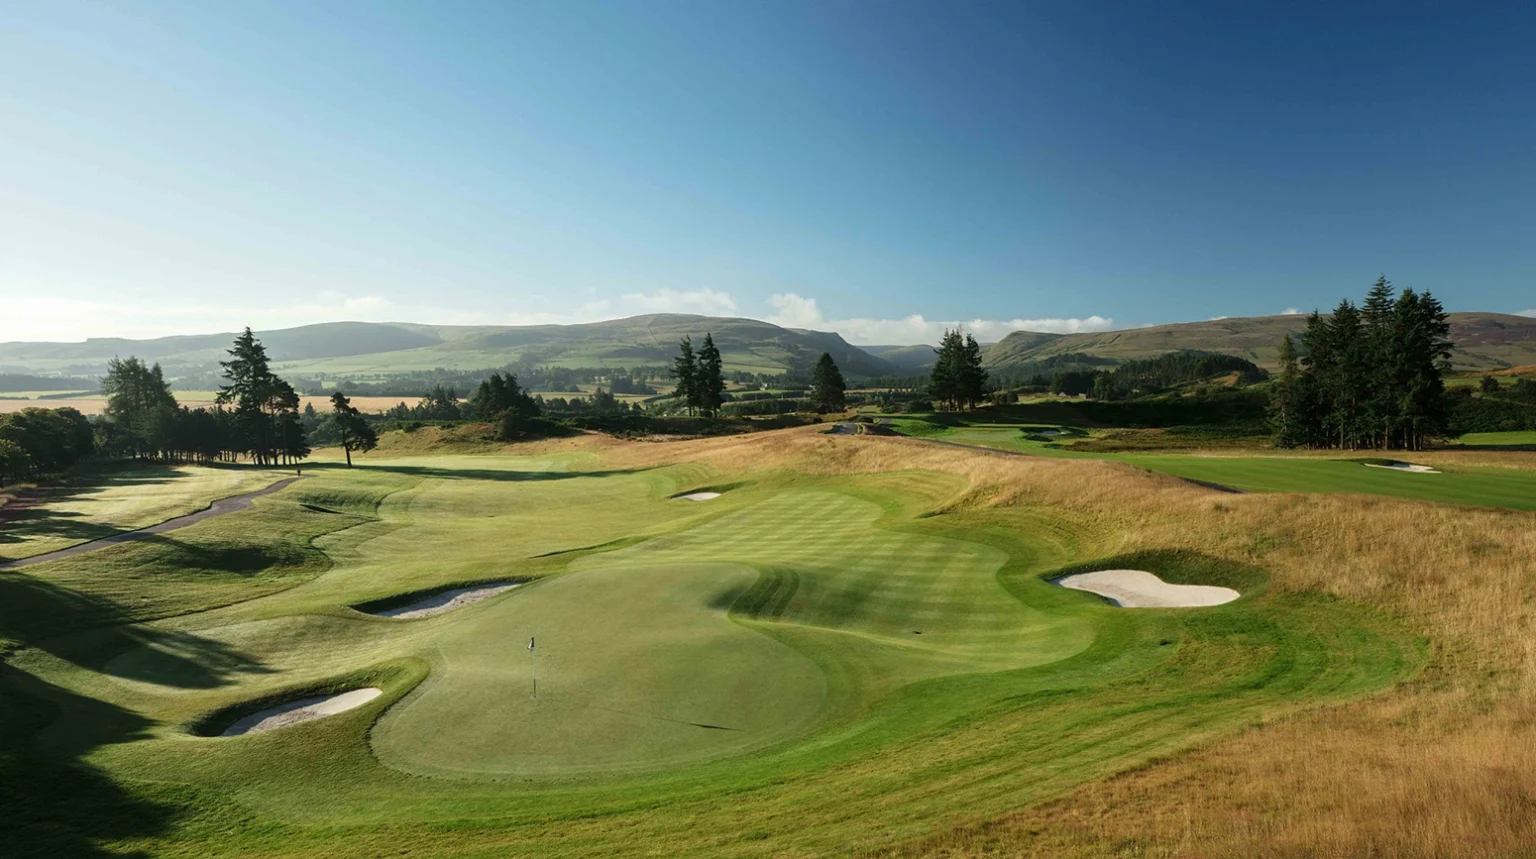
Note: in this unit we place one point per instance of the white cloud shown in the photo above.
(797, 311)
(1290, 311)
(705, 301)
(45, 317)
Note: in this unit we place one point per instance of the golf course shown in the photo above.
(788, 643)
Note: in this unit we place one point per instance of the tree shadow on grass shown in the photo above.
(92, 632)
(55, 805)
(492, 473)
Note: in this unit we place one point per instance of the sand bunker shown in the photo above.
(1138, 589)
(302, 710)
(699, 496)
(445, 601)
(1403, 466)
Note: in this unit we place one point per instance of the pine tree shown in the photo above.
(1284, 406)
(827, 386)
(685, 371)
(708, 379)
(1372, 377)
(945, 377)
(356, 434)
(971, 387)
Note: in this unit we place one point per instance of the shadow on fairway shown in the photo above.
(90, 632)
(56, 805)
(484, 473)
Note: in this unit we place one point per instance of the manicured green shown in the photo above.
(803, 665)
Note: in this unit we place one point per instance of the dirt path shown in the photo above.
(217, 508)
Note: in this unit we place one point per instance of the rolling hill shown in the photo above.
(1484, 341)
(368, 348)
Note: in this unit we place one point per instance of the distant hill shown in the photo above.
(1484, 341)
(907, 360)
(369, 348)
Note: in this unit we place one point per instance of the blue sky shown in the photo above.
(878, 168)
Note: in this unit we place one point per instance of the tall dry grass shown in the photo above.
(1443, 766)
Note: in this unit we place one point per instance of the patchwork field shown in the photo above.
(855, 648)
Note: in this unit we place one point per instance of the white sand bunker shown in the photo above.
(302, 710)
(699, 496)
(445, 601)
(1403, 466)
(1138, 589)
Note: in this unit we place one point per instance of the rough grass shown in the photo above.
(948, 746)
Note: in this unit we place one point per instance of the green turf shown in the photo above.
(1500, 439)
(99, 504)
(1468, 485)
(803, 665)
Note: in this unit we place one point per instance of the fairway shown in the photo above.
(816, 647)
(1471, 485)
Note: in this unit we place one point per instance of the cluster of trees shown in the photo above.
(1365, 377)
(1147, 376)
(257, 414)
(266, 408)
(957, 380)
(502, 401)
(700, 381)
(38, 441)
(1522, 391)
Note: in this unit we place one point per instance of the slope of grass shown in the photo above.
(100, 504)
(806, 664)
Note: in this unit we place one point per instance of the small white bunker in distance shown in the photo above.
(1140, 589)
(1403, 466)
(302, 710)
(699, 496)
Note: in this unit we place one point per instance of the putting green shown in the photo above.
(634, 666)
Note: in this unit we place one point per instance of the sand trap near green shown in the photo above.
(636, 667)
(302, 710)
(1141, 589)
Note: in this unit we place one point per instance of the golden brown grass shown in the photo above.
(1442, 766)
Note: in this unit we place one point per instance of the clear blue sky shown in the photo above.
(188, 167)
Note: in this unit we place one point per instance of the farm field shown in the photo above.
(809, 662)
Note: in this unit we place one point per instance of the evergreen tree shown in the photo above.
(356, 434)
(827, 386)
(708, 379)
(945, 379)
(685, 371)
(971, 379)
(1368, 377)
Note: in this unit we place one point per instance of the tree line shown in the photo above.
(700, 377)
(1370, 376)
(256, 413)
(957, 379)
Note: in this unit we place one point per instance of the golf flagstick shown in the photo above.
(534, 668)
